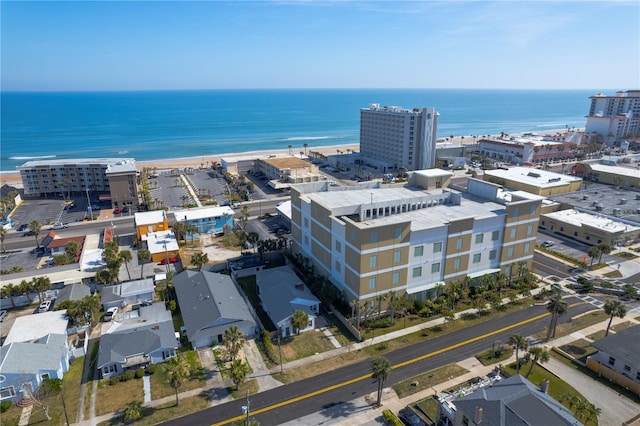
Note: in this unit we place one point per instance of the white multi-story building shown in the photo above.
(373, 238)
(401, 138)
(614, 117)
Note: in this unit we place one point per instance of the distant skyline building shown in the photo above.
(401, 138)
(614, 117)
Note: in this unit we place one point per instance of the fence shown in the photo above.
(347, 324)
(613, 375)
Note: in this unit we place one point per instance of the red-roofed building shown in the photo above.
(57, 246)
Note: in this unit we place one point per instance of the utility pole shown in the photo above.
(280, 351)
(245, 410)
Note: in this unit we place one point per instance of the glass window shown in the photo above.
(476, 258)
(7, 392)
(417, 251)
(435, 267)
(459, 243)
(372, 283)
(373, 261)
(396, 277)
(338, 267)
(437, 247)
(338, 246)
(397, 256)
(479, 238)
(513, 232)
(493, 254)
(495, 235)
(532, 209)
(374, 237)
(417, 272)
(510, 252)
(306, 222)
(516, 212)
(398, 233)
(529, 229)
(526, 247)
(456, 264)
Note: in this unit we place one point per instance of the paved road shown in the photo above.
(345, 384)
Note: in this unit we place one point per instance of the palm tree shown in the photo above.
(239, 370)
(144, 256)
(3, 234)
(604, 249)
(557, 306)
(233, 341)
(176, 371)
(519, 343)
(179, 228)
(133, 411)
(305, 148)
(593, 252)
(380, 370)
(394, 304)
(199, 259)
(299, 320)
(380, 298)
(35, 227)
(41, 284)
(125, 256)
(614, 309)
(539, 355)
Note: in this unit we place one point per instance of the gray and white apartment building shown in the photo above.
(614, 117)
(400, 138)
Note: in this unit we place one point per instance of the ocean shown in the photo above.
(152, 125)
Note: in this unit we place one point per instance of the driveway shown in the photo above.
(616, 409)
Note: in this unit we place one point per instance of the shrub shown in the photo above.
(4, 406)
(391, 418)
(128, 375)
(113, 380)
(139, 374)
(151, 368)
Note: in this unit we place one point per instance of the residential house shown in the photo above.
(618, 358)
(57, 246)
(282, 293)
(148, 222)
(514, 401)
(127, 293)
(143, 336)
(210, 303)
(208, 220)
(163, 247)
(72, 292)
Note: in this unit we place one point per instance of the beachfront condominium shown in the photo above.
(399, 138)
(375, 238)
(111, 180)
(615, 118)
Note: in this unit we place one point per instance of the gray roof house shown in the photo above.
(510, 402)
(24, 365)
(282, 293)
(210, 303)
(72, 292)
(127, 293)
(141, 337)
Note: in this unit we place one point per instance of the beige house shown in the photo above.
(283, 171)
(535, 181)
(373, 238)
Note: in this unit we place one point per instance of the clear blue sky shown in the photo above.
(320, 44)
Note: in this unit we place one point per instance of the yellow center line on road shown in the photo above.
(401, 364)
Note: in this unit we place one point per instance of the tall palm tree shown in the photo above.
(199, 259)
(299, 320)
(614, 308)
(239, 370)
(380, 370)
(233, 341)
(41, 284)
(380, 298)
(35, 227)
(3, 234)
(125, 256)
(539, 355)
(558, 307)
(144, 256)
(176, 371)
(519, 343)
(604, 249)
(305, 148)
(593, 252)
(394, 304)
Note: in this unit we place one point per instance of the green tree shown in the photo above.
(539, 355)
(133, 411)
(199, 259)
(103, 276)
(35, 227)
(593, 252)
(125, 257)
(179, 228)
(558, 307)
(380, 298)
(233, 340)
(239, 370)
(144, 256)
(614, 308)
(380, 370)
(299, 320)
(519, 343)
(176, 371)
(3, 234)
(71, 249)
(604, 249)
(244, 216)
(41, 284)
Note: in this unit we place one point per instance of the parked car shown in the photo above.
(29, 233)
(117, 210)
(3, 315)
(110, 314)
(125, 209)
(22, 227)
(59, 226)
(410, 418)
(548, 243)
(44, 306)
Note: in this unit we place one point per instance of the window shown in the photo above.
(495, 235)
(513, 233)
(459, 243)
(374, 237)
(7, 392)
(638, 376)
(612, 360)
(372, 283)
(338, 246)
(476, 258)
(398, 233)
(479, 238)
(417, 272)
(532, 209)
(338, 267)
(526, 248)
(493, 254)
(529, 229)
(435, 268)
(373, 261)
(45, 376)
(397, 256)
(627, 368)
(456, 264)
(417, 251)
(396, 278)
(507, 271)
(437, 247)
(516, 212)
(306, 222)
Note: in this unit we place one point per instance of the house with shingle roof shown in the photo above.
(141, 337)
(127, 293)
(210, 303)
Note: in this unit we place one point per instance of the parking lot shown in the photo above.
(50, 211)
(571, 247)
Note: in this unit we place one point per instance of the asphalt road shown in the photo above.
(298, 399)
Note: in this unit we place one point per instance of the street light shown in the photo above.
(245, 410)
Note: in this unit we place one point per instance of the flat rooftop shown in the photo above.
(578, 219)
(203, 213)
(535, 177)
(617, 170)
(76, 161)
(31, 327)
(149, 218)
(603, 199)
(287, 162)
(535, 140)
(160, 242)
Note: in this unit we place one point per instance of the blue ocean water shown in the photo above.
(171, 124)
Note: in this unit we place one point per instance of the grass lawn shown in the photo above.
(578, 323)
(304, 344)
(486, 357)
(163, 413)
(250, 385)
(613, 274)
(112, 398)
(428, 406)
(428, 379)
(339, 331)
(159, 386)
(625, 255)
(579, 349)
